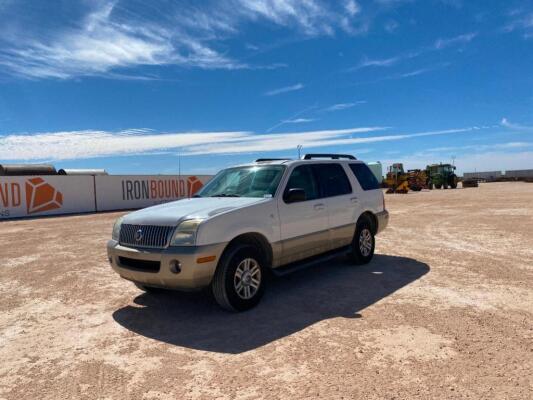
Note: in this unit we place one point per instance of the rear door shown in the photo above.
(304, 224)
(341, 201)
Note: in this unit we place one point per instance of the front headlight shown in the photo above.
(116, 229)
(185, 234)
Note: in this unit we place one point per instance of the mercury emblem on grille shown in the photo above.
(139, 235)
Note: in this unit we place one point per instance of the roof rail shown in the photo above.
(327, 155)
(271, 159)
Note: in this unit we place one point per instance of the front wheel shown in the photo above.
(238, 284)
(363, 243)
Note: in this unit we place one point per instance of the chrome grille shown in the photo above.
(151, 236)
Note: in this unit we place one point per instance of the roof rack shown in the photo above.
(271, 159)
(327, 155)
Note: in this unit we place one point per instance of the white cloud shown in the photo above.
(352, 7)
(310, 17)
(461, 39)
(517, 127)
(312, 139)
(304, 14)
(408, 74)
(292, 117)
(521, 21)
(438, 45)
(285, 89)
(383, 62)
(113, 37)
(102, 45)
(54, 146)
(392, 2)
(391, 26)
(416, 72)
(298, 120)
(343, 106)
(91, 143)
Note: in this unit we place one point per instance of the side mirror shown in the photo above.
(295, 195)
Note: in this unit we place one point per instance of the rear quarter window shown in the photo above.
(364, 175)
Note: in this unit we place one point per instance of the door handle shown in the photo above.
(354, 199)
(319, 206)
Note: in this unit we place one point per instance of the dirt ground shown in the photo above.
(445, 311)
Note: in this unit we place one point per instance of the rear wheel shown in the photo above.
(238, 284)
(438, 186)
(363, 243)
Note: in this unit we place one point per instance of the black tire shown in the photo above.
(438, 186)
(362, 251)
(225, 281)
(430, 186)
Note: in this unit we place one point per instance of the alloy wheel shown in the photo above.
(247, 279)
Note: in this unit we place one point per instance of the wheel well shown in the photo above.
(257, 240)
(371, 218)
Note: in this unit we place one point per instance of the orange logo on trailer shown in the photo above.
(41, 196)
(193, 185)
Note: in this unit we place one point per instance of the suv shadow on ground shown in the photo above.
(292, 303)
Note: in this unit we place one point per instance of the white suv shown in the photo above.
(269, 216)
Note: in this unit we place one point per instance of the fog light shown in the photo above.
(175, 267)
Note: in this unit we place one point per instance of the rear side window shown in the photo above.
(332, 180)
(364, 175)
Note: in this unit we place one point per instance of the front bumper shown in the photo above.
(383, 220)
(196, 265)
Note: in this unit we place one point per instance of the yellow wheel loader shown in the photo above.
(396, 180)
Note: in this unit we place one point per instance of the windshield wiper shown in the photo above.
(225, 195)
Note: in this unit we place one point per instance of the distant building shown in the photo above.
(519, 173)
(486, 176)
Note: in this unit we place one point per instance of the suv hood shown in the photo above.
(169, 214)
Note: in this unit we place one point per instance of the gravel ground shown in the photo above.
(445, 310)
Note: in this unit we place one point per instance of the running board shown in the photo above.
(308, 262)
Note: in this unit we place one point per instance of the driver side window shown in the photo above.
(302, 177)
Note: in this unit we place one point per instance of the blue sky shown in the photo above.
(130, 85)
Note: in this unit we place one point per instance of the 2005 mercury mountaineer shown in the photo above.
(269, 216)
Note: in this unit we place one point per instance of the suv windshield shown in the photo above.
(251, 181)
